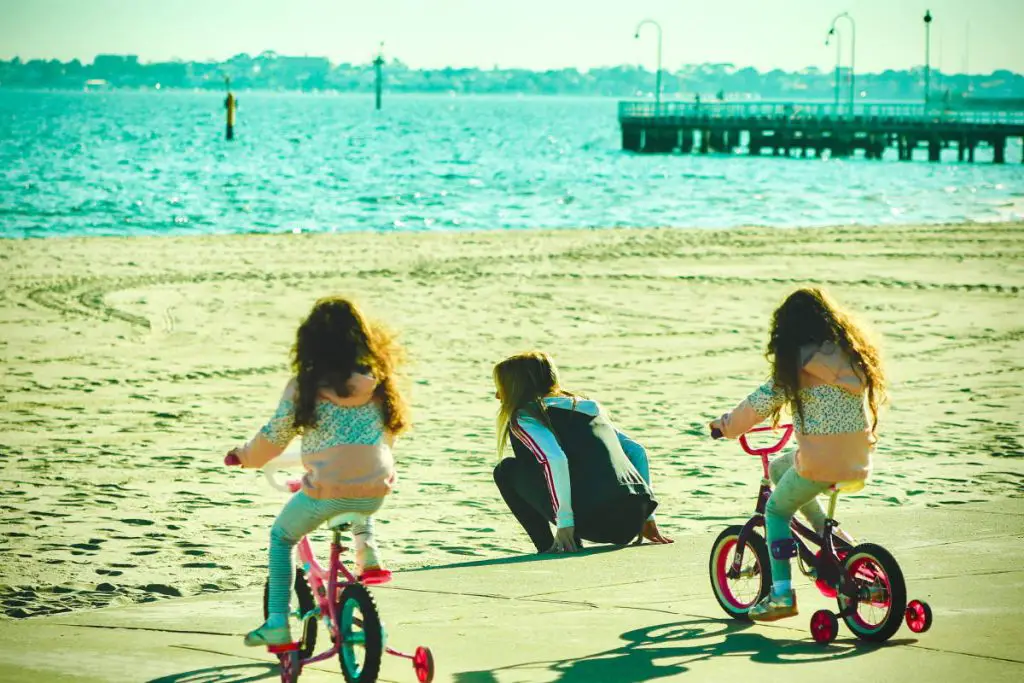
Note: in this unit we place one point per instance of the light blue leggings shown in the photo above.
(792, 492)
(301, 516)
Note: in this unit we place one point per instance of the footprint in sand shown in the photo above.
(85, 546)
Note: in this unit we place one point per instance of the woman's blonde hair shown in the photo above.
(522, 381)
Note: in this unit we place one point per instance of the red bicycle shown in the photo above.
(342, 602)
(865, 578)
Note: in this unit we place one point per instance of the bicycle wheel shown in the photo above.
(737, 595)
(362, 637)
(881, 593)
(305, 599)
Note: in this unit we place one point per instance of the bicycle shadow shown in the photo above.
(235, 673)
(671, 649)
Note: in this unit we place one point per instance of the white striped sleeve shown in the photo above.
(536, 436)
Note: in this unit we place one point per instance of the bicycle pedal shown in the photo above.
(285, 647)
(375, 577)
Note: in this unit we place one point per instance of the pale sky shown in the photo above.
(534, 34)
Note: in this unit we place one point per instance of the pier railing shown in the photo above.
(820, 112)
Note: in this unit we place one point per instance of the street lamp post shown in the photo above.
(853, 52)
(927, 56)
(839, 48)
(657, 76)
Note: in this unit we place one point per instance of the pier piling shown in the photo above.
(999, 149)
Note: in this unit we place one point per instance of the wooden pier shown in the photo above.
(809, 130)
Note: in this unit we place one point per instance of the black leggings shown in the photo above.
(526, 494)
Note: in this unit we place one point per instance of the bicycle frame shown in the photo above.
(827, 565)
(326, 589)
(325, 583)
(328, 586)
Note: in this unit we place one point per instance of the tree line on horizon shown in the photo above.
(270, 71)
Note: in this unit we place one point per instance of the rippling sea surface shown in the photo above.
(127, 163)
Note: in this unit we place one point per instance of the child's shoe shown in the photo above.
(272, 632)
(774, 607)
(369, 569)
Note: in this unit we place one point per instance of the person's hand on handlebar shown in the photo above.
(232, 459)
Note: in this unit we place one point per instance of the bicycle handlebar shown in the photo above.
(787, 434)
(290, 459)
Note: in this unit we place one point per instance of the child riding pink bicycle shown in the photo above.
(344, 401)
(829, 373)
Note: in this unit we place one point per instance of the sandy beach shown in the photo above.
(132, 365)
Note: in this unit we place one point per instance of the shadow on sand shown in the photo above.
(235, 673)
(518, 559)
(671, 649)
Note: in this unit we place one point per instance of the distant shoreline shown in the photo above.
(305, 74)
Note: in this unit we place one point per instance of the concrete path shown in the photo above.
(636, 614)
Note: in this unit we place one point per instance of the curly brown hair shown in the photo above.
(810, 317)
(334, 341)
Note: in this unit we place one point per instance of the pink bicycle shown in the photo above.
(865, 579)
(342, 602)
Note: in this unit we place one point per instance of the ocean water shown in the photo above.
(128, 163)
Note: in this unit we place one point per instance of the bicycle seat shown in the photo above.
(345, 520)
(847, 486)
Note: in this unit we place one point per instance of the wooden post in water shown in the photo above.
(378, 66)
(755, 143)
(230, 104)
(999, 150)
(911, 145)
